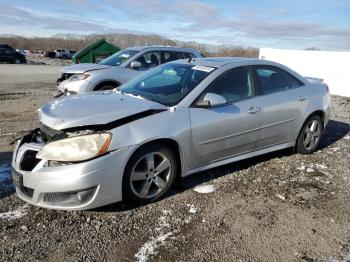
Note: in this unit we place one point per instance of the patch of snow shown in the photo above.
(193, 209)
(309, 170)
(166, 212)
(204, 189)
(301, 168)
(150, 247)
(321, 166)
(163, 222)
(347, 137)
(15, 214)
(282, 197)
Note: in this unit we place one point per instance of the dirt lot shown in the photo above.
(278, 207)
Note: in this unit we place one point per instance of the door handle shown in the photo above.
(301, 98)
(254, 110)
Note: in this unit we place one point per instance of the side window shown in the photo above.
(273, 79)
(235, 84)
(149, 60)
(8, 51)
(169, 56)
(188, 55)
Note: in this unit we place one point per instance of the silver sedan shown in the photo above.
(175, 120)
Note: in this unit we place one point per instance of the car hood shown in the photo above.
(97, 108)
(82, 68)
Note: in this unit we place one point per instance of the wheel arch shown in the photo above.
(106, 82)
(169, 142)
(319, 113)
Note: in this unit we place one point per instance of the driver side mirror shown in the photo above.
(211, 100)
(135, 64)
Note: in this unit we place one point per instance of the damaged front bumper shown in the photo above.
(68, 186)
(67, 87)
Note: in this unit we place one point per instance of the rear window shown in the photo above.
(169, 56)
(273, 79)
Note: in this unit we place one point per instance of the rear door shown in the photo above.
(231, 129)
(284, 105)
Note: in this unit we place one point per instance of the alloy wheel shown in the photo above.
(150, 175)
(312, 134)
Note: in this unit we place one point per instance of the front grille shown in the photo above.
(29, 160)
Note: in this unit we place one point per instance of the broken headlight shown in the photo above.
(77, 148)
(78, 77)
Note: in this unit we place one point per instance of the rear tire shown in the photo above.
(149, 174)
(310, 135)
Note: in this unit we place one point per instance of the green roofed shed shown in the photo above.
(94, 52)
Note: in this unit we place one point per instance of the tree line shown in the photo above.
(76, 42)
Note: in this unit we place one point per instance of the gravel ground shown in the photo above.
(277, 207)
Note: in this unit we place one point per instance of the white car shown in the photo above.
(117, 68)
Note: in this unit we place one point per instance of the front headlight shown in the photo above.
(77, 148)
(78, 77)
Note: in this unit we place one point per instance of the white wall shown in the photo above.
(332, 66)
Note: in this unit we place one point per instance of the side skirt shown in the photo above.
(236, 158)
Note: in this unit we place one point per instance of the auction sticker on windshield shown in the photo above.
(203, 68)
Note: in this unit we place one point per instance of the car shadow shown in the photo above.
(334, 131)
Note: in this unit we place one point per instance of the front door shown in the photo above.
(231, 129)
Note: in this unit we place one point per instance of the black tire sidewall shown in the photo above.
(105, 87)
(299, 145)
(128, 194)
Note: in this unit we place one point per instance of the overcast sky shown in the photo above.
(260, 23)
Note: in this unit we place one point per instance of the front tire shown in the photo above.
(149, 174)
(310, 135)
(105, 87)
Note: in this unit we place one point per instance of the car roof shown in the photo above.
(222, 61)
(161, 47)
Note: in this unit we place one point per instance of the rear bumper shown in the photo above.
(80, 186)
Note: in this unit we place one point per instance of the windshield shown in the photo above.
(119, 57)
(167, 84)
